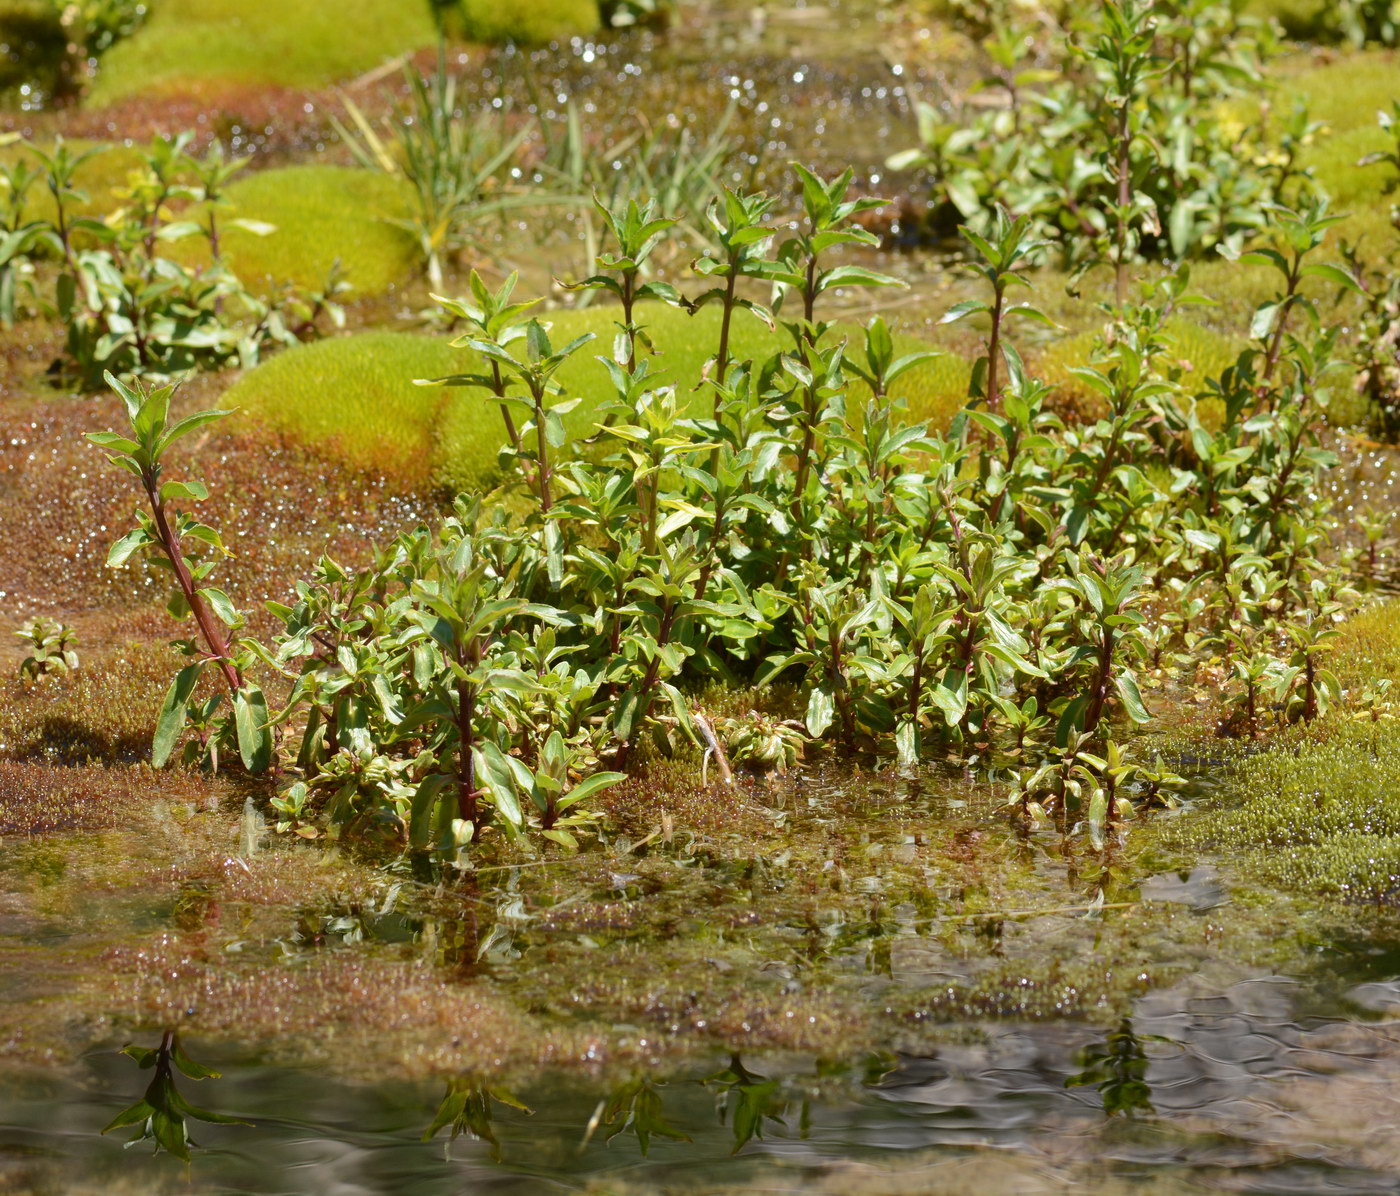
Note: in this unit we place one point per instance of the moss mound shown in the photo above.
(354, 396)
(1319, 812)
(203, 45)
(529, 22)
(1320, 816)
(321, 213)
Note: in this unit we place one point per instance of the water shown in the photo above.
(1240, 1091)
(979, 1024)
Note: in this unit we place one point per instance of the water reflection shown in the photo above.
(467, 1109)
(747, 1101)
(1231, 1087)
(162, 1115)
(636, 1107)
(1117, 1067)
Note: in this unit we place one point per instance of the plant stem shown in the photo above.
(209, 627)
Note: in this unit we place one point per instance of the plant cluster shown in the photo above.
(1119, 150)
(997, 590)
(128, 304)
(1359, 22)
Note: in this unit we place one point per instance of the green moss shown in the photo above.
(1348, 92)
(209, 45)
(529, 22)
(321, 213)
(1319, 812)
(354, 396)
(1335, 166)
(1368, 648)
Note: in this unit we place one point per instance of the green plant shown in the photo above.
(1123, 57)
(189, 550)
(762, 743)
(451, 164)
(1116, 155)
(51, 651)
(925, 591)
(1006, 251)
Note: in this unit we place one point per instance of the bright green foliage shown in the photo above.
(50, 644)
(636, 230)
(529, 22)
(355, 397)
(420, 684)
(211, 45)
(978, 590)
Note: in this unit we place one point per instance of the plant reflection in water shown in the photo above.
(162, 1114)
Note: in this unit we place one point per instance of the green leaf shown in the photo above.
(497, 779)
(1263, 322)
(589, 786)
(121, 551)
(960, 311)
(1325, 270)
(420, 818)
(222, 605)
(821, 709)
(1127, 687)
(251, 721)
(171, 720)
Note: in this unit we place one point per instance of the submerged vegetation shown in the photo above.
(672, 649)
